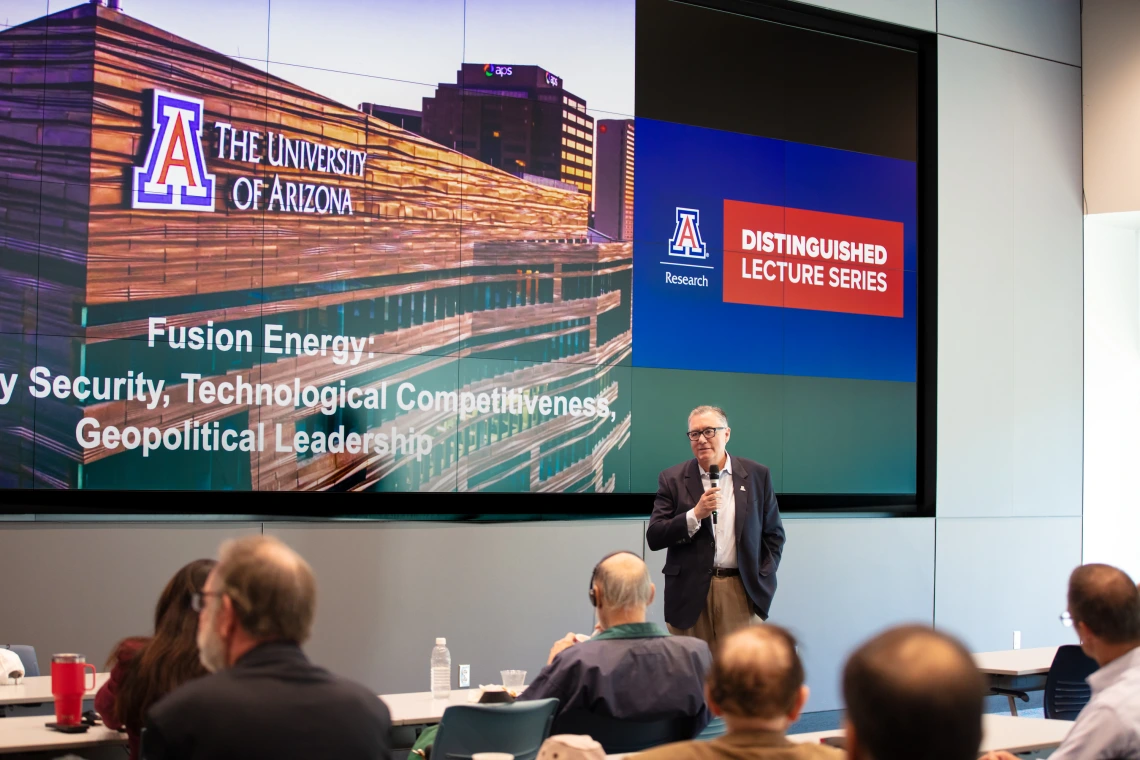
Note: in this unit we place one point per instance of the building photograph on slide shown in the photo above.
(504, 251)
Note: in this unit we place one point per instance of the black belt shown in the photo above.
(724, 572)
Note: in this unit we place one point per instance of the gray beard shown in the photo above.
(211, 651)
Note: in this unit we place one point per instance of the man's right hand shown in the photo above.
(561, 645)
(710, 499)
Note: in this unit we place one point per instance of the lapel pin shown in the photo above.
(742, 488)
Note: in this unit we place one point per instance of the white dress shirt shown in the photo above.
(724, 530)
(1108, 727)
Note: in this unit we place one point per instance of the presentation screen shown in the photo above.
(453, 248)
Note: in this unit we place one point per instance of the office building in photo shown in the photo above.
(613, 164)
(404, 118)
(516, 118)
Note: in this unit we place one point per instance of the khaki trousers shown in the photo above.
(727, 608)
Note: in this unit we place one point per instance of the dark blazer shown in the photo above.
(273, 703)
(688, 565)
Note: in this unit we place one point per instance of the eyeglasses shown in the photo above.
(198, 600)
(1066, 619)
(708, 433)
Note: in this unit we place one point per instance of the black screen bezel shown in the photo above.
(532, 506)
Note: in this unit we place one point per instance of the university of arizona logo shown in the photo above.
(687, 240)
(174, 176)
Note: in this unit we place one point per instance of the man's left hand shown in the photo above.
(562, 644)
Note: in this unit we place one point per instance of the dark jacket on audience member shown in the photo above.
(742, 745)
(273, 703)
(631, 672)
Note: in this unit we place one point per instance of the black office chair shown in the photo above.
(1066, 691)
(623, 736)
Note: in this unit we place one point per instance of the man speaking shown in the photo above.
(717, 515)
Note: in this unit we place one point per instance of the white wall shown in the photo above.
(842, 580)
(1049, 29)
(1112, 397)
(1010, 379)
(501, 594)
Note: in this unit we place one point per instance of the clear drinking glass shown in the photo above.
(513, 679)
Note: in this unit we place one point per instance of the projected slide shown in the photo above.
(306, 268)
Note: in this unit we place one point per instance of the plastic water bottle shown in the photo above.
(440, 670)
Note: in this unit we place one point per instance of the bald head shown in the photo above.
(1107, 602)
(272, 588)
(914, 692)
(756, 673)
(622, 582)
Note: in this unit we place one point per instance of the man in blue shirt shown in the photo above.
(630, 669)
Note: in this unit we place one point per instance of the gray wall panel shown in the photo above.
(1048, 291)
(842, 580)
(501, 594)
(998, 575)
(82, 588)
(1010, 294)
(975, 236)
(1044, 28)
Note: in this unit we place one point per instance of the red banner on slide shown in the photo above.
(776, 256)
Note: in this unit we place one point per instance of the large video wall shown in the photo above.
(451, 246)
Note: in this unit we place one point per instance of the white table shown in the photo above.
(1016, 670)
(418, 708)
(30, 691)
(999, 732)
(29, 734)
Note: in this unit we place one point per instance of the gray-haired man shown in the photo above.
(724, 538)
(620, 671)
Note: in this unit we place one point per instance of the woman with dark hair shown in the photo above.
(145, 669)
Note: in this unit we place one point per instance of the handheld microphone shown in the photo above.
(714, 481)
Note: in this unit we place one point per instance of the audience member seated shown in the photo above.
(264, 699)
(145, 669)
(913, 692)
(757, 685)
(630, 669)
(1104, 606)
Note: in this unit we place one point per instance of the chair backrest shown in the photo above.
(27, 655)
(1066, 691)
(622, 736)
(519, 728)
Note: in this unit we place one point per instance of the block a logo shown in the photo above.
(687, 242)
(174, 176)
